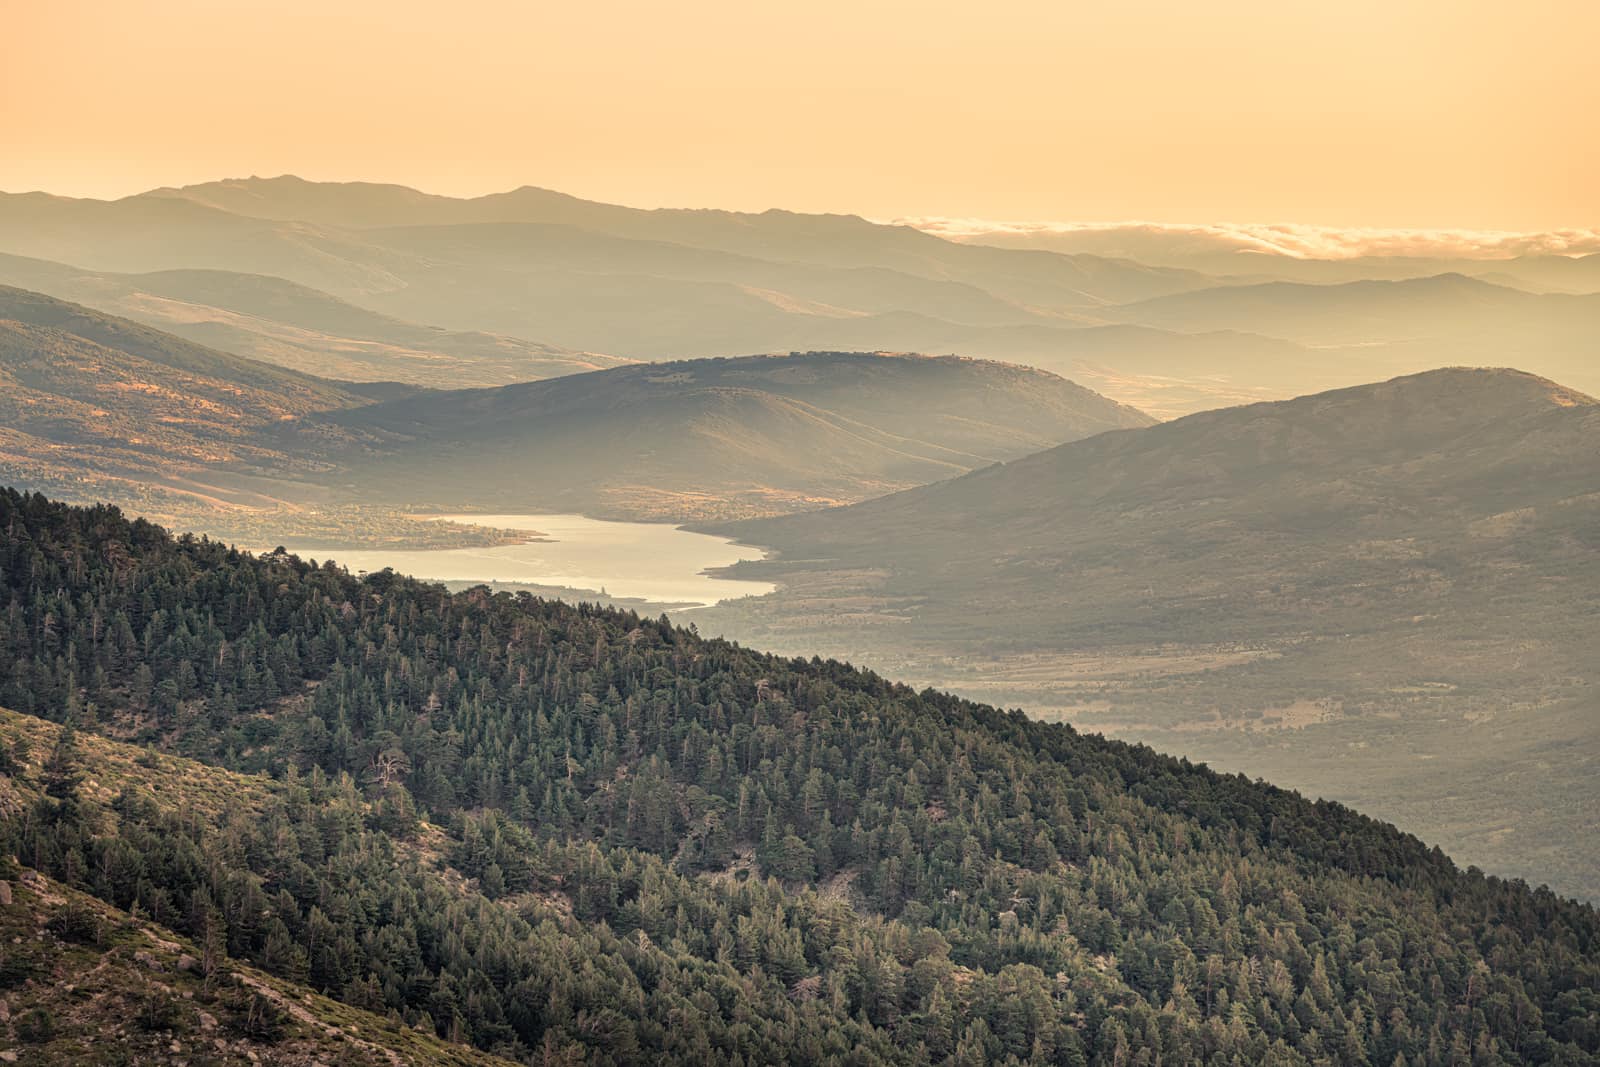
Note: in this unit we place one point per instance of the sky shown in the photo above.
(1396, 113)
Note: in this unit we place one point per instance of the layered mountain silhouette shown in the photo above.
(544, 273)
(295, 326)
(555, 271)
(103, 401)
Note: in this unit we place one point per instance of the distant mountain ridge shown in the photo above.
(1448, 318)
(1562, 261)
(292, 325)
(1357, 311)
(692, 438)
(108, 405)
(555, 272)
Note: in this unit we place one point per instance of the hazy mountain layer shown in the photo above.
(101, 405)
(292, 325)
(554, 270)
(1330, 571)
(94, 407)
(550, 271)
(150, 233)
(696, 438)
(1444, 319)
(1324, 255)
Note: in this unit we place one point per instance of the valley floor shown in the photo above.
(1506, 787)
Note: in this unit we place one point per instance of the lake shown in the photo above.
(645, 560)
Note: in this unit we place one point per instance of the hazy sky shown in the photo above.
(1344, 112)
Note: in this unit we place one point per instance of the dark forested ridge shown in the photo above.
(561, 834)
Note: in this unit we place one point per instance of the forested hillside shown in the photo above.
(569, 834)
(84, 982)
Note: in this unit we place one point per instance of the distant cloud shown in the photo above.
(1297, 241)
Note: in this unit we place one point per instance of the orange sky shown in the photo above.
(1356, 112)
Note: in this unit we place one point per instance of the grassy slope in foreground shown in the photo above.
(86, 983)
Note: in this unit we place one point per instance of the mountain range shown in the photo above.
(1535, 262)
(1385, 571)
(102, 405)
(561, 282)
(294, 326)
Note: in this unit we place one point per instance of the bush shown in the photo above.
(15, 968)
(157, 1011)
(76, 922)
(36, 1027)
(259, 1019)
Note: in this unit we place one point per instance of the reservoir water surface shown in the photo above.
(645, 560)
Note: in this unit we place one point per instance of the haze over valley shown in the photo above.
(1258, 587)
(560, 282)
(1043, 536)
